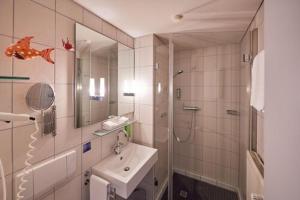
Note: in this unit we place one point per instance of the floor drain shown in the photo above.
(183, 194)
(126, 169)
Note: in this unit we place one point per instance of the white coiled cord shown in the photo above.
(3, 180)
(29, 155)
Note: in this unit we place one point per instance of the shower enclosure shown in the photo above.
(204, 121)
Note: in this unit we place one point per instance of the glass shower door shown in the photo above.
(161, 138)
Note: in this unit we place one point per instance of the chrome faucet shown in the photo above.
(117, 148)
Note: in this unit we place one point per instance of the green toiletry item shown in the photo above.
(128, 130)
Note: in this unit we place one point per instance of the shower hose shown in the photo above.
(29, 156)
(192, 130)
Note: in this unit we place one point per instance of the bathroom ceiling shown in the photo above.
(142, 17)
(195, 40)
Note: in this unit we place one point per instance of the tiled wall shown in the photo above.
(144, 77)
(245, 98)
(125, 73)
(48, 21)
(211, 82)
(144, 102)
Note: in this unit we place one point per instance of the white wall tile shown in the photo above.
(130, 42)
(144, 57)
(88, 132)
(209, 170)
(93, 156)
(223, 158)
(6, 102)
(144, 41)
(92, 21)
(70, 191)
(67, 136)
(210, 63)
(223, 174)
(196, 78)
(21, 138)
(210, 93)
(109, 30)
(65, 28)
(209, 124)
(235, 75)
(224, 78)
(122, 37)
(210, 51)
(210, 78)
(235, 61)
(5, 150)
(224, 93)
(224, 142)
(6, 17)
(209, 153)
(49, 196)
(48, 3)
(224, 126)
(144, 76)
(146, 114)
(145, 95)
(64, 100)
(146, 132)
(209, 108)
(38, 69)
(70, 8)
(224, 49)
(209, 139)
(5, 62)
(64, 66)
(107, 143)
(224, 61)
(9, 189)
(40, 23)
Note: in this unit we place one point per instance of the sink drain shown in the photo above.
(126, 169)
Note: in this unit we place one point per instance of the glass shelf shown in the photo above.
(14, 78)
(105, 132)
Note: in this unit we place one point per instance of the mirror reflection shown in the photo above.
(104, 77)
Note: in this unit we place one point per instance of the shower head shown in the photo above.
(178, 72)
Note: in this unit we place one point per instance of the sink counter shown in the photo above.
(126, 170)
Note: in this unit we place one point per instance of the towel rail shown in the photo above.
(193, 108)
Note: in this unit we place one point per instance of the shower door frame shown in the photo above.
(170, 120)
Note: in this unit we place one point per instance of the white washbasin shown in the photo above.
(126, 170)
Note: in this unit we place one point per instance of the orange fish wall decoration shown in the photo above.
(22, 50)
(67, 45)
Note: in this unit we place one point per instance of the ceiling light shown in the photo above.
(177, 18)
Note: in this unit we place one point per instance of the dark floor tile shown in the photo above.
(185, 188)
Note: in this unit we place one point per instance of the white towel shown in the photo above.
(98, 188)
(258, 82)
(108, 125)
(114, 122)
(122, 120)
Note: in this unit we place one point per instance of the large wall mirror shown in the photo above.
(104, 77)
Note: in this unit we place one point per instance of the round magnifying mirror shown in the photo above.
(40, 96)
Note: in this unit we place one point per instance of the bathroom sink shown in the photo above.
(126, 170)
